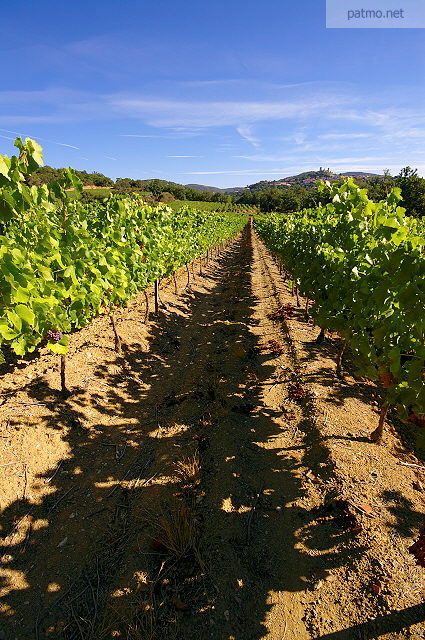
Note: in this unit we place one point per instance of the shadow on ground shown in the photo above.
(195, 387)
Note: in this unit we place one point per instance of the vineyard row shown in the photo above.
(362, 265)
(63, 262)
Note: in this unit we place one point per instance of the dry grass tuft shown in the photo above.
(130, 626)
(174, 530)
(189, 470)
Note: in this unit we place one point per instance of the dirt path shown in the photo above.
(184, 492)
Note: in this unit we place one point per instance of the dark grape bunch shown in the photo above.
(296, 391)
(272, 346)
(282, 313)
(54, 335)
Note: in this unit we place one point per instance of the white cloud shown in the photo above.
(137, 135)
(246, 133)
(62, 144)
(173, 134)
(300, 137)
(49, 96)
(325, 159)
(343, 136)
(196, 114)
(403, 133)
(213, 83)
(263, 158)
(27, 135)
(236, 172)
(35, 119)
(315, 125)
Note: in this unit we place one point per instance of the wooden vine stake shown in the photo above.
(296, 293)
(339, 371)
(156, 288)
(376, 436)
(116, 336)
(147, 306)
(306, 314)
(64, 389)
(175, 283)
(188, 275)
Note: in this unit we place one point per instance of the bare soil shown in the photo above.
(214, 480)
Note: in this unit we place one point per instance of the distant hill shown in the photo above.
(46, 174)
(309, 179)
(203, 187)
(305, 179)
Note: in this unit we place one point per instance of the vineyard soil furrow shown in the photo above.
(214, 480)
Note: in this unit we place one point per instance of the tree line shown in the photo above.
(297, 197)
(46, 174)
(285, 198)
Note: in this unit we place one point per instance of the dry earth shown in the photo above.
(215, 480)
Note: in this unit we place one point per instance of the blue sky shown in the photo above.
(220, 93)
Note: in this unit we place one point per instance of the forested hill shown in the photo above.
(309, 179)
(286, 194)
(46, 174)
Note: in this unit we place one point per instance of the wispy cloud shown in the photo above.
(34, 137)
(404, 133)
(343, 136)
(301, 125)
(384, 117)
(173, 134)
(245, 131)
(263, 158)
(138, 135)
(359, 160)
(235, 172)
(300, 136)
(214, 83)
(63, 144)
(55, 95)
(9, 131)
(29, 118)
(173, 113)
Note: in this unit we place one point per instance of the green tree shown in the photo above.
(412, 190)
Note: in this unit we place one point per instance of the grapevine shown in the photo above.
(63, 262)
(362, 264)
